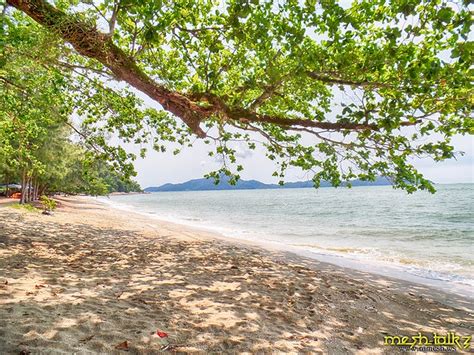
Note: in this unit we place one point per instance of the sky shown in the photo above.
(192, 163)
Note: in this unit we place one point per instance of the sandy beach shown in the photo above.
(92, 279)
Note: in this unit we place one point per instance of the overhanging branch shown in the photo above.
(188, 107)
(331, 79)
(93, 44)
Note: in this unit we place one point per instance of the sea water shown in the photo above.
(430, 236)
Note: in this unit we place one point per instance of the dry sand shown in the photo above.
(91, 277)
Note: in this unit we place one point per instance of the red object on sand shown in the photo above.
(161, 334)
(122, 346)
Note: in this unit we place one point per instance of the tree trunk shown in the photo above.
(30, 189)
(42, 189)
(36, 188)
(33, 190)
(7, 189)
(23, 187)
(27, 190)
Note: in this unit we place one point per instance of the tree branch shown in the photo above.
(113, 18)
(330, 79)
(195, 31)
(265, 95)
(188, 107)
(11, 83)
(86, 138)
(75, 66)
(93, 44)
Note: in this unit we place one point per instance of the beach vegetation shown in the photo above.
(48, 204)
(25, 206)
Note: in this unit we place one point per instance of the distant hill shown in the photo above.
(208, 184)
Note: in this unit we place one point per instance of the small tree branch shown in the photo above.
(75, 66)
(113, 19)
(98, 11)
(331, 79)
(11, 83)
(86, 139)
(265, 95)
(196, 31)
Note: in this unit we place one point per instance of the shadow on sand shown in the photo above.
(78, 288)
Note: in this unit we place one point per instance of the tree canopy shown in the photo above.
(346, 92)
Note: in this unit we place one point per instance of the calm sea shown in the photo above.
(428, 236)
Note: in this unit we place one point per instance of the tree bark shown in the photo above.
(36, 187)
(42, 189)
(23, 187)
(30, 189)
(7, 189)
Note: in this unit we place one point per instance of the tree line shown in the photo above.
(40, 147)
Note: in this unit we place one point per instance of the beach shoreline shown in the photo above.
(114, 276)
(397, 272)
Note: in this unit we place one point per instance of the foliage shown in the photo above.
(48, 203)
(344, 92)
(37, 147)
(28, 207)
